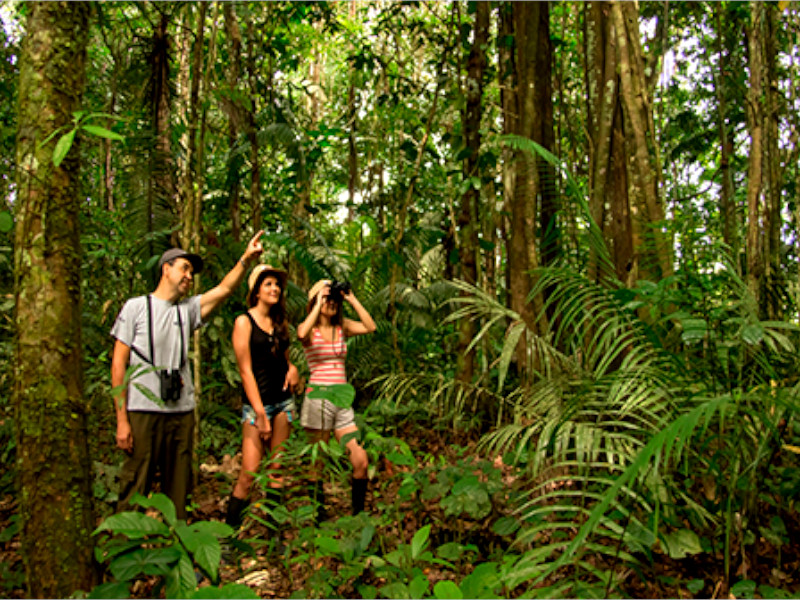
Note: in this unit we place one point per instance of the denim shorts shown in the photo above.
(287, 406)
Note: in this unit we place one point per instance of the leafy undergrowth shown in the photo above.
(441, 523)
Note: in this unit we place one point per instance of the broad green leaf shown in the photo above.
(6, 221)
(482, 582)
(434, 491)
(444, 590)
(454, 505)
(111, 589)
(328, 544)
(753, 334)
(181, 580)
(215, 528)
(102, 132)
(133, 525)
(208, 555)
(694, 330)
(340, 394)
(161, 503)
(366, 538)
(419, 541)
(63, 145)
(681, 543)
(451, 551)
(418, 587)
(396, 591)
(743, 589)
(695, 585)
(368, 592)
(115, 547)
(395, 557)
(149, 561)
(505, 525)
(465, 484)
(401, 459)
(227, 591)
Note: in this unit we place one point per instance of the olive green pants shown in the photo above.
(163, 446)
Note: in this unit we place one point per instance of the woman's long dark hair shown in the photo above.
(277, 312)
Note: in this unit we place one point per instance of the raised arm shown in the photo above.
(241, 347)
(305, 328)
(216, 296)
(366, 323)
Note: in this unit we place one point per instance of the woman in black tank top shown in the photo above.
(261, 344)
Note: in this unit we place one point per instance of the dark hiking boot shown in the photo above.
(359, 494)
(318, 496)
(236, 507)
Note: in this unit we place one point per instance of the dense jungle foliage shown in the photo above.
(575, 225)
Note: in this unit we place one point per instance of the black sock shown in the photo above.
(359, 494)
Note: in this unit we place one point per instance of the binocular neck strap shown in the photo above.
(150, 333)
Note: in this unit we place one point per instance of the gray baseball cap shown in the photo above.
(173, 253)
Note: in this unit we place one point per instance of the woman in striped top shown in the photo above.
(324, 333)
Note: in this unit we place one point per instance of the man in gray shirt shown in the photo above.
(155, 411)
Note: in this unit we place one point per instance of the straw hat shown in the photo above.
(258, 274)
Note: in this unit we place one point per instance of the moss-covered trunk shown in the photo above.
(53, 466)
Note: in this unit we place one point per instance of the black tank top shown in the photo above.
(268, 360)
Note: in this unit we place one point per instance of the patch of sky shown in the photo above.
(11, 25)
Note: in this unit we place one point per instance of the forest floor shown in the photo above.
(281, 564)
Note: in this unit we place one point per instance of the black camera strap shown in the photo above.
(152, 359)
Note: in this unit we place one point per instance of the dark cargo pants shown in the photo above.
(162, 443)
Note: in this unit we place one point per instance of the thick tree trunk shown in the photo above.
(468, 220)
(539, 117)
(624, 170)
(526, 78)
(647, 211)
(606, 151)
(53, 464)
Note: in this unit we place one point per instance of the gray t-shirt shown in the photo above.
(131, 328)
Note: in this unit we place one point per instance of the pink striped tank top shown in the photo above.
(326, 359)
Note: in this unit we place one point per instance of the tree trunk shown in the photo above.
(234, 110)
(199, 186)
(252, 130)
(539, 117)
(647, 212)
(352, 120)
(189, 235)
(722, 85)
(624, 170)
(53, 463)
(603, 121)
(774, 286)
(526, 84)
(161, 185)
(755, 168)
(468, 221)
